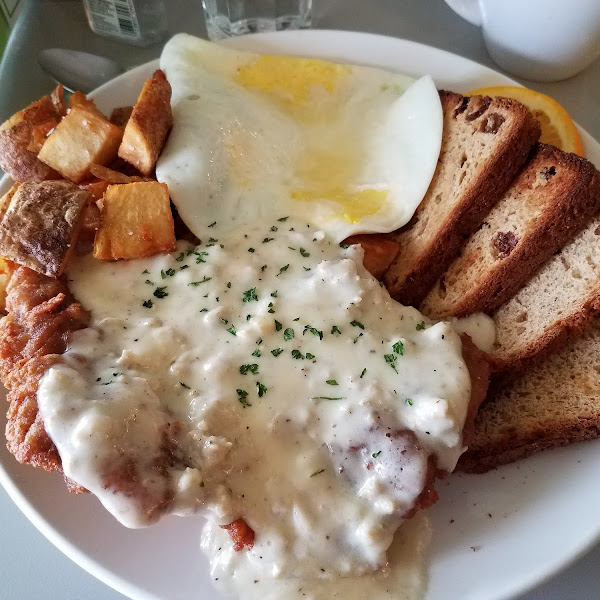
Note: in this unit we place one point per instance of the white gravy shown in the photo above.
(266, 376)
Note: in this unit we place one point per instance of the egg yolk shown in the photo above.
(291, 80)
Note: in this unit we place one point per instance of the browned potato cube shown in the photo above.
(136, 221)
(16, 158)
(149, 124)
(79, 99)
(41, 223)
(81, 139)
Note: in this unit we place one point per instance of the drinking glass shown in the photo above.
(225, 18)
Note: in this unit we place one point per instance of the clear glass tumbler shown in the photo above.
(225, 18)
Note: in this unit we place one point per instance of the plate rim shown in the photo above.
(93, 566)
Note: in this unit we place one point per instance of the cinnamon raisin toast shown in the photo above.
(485, 142)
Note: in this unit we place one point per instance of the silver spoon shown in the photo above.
(78, 70)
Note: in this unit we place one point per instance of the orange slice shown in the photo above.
(558, 128)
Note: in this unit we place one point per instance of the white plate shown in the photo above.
(496, 535)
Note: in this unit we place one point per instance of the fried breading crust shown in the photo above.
(42, 314)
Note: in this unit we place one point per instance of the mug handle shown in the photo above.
(470, 10)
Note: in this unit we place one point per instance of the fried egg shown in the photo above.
(349, 149)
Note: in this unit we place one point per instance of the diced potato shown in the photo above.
(41, 223)
(380, 252)
(79, 99)
(81, 139)
(113, 176)
(136, 221)
(16, 158)
(120, 116)
(149, 124)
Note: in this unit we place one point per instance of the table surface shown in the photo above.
(30, 567)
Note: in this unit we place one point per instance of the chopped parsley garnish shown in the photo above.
(309, 356)
(228, 284)
(253, 368)
(336, 329)
(278, 325)
(398, 348)
(307, 268)
(277, 351)
(409, 401)
(318, 472)
(261, 389)
(332, 382)
(224, 321)
(283, 219)
(283, 270)
(297, 355)
(145, 272)
(313, 330)
(304, 253)
(391, 360)
(250, 295)
(327, 398)
(243, 397)
(267, 240)
(421, 326)
(357, 337)
(149, 282)
(257, 352)
(212, 240)
(259, 341)
(187, 387)
(147, 304)
(376, 454)
(288, 334)
(274, 294)
(182, 268)
(248, 317)
(251, 250)
(159, 292)
(363, 373)
(357, 324)
(180, 257)
(345, 246)
(232, 330)
(196, 283)
(200, 257)
(167, 273)
(274, 228)
(212, 224)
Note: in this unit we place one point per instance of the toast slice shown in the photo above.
(549, 201)
(558, 302)
(485, 142)
(553, 404)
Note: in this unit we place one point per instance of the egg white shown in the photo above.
(350, 149)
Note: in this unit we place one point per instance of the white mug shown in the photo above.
(540, 40)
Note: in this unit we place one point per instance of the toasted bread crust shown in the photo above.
(557, 187)
(552, 404)
(430, 241)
